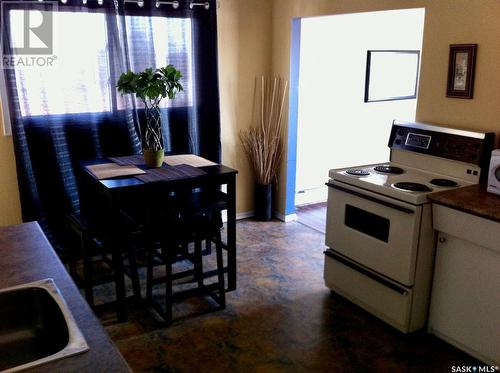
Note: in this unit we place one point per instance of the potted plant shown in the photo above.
(262, 142)
(151, 86)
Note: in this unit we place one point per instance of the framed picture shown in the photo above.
(461, 70)
(391, 75)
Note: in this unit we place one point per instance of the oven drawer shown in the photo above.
(386, 300)
(375, 231)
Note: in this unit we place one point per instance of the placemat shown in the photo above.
(190, 159)
(171, 160)
(136, 160)
(110, 170)
(182, 171)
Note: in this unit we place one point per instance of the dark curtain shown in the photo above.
(73, 111)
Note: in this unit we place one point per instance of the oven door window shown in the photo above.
(367, 223)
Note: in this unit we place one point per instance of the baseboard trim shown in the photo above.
(239, 216)
(249, 214)
(244, 215)
(285, 218)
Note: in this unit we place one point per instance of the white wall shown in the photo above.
(335, 127)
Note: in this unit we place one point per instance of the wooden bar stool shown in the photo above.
(198, 220)
(93, 247)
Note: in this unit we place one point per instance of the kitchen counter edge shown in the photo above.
(27, 256)
(473, 199)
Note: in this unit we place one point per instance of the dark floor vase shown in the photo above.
(263, 201)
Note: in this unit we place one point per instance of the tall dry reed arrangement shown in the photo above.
(262, 142)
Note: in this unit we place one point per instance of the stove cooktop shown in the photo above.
(404, 183)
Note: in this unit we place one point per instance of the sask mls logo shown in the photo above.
(31, 26)
(474, 369)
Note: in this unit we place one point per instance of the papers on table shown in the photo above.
(189, 159)
(110, 170)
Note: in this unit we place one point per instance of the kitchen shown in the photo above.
(254, 37)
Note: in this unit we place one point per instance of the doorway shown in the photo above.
(330, 122)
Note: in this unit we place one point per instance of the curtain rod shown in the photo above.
(175, 4)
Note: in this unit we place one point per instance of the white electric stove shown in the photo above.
(379, 220)
(398, 181)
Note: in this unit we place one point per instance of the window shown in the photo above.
(80, 83)
(170, 44)
(83, 80)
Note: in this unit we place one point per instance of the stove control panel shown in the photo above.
(463, 146)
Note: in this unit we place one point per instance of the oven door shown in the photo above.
(378, 232)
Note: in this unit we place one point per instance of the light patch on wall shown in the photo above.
(4, 113)
(391, 75)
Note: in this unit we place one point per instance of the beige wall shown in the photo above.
(447, 22)
(244, 53)
(10, 210)
(254, 39)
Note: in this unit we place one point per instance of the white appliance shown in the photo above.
(494, 173)
(379, 232)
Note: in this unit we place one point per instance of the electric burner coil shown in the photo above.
(389, 170)
(411, 187)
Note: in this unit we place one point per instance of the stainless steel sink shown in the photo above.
(36, 326)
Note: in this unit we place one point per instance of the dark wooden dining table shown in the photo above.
(106, 197)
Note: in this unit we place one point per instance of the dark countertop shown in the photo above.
(472, 199)
(27, 256)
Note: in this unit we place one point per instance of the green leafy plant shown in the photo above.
(151, 86)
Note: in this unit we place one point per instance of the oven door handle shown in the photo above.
(358, 268)
(370, 198)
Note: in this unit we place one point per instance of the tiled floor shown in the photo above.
(281, 319)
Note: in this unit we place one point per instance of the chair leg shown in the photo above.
(198, 263)
(117, 257)
(184, 246)
(220, 270)
(74, 243)
(208, 247)
(134, 273)
(149, 275)
(72, 262)
(87, 271)
(168, 286)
